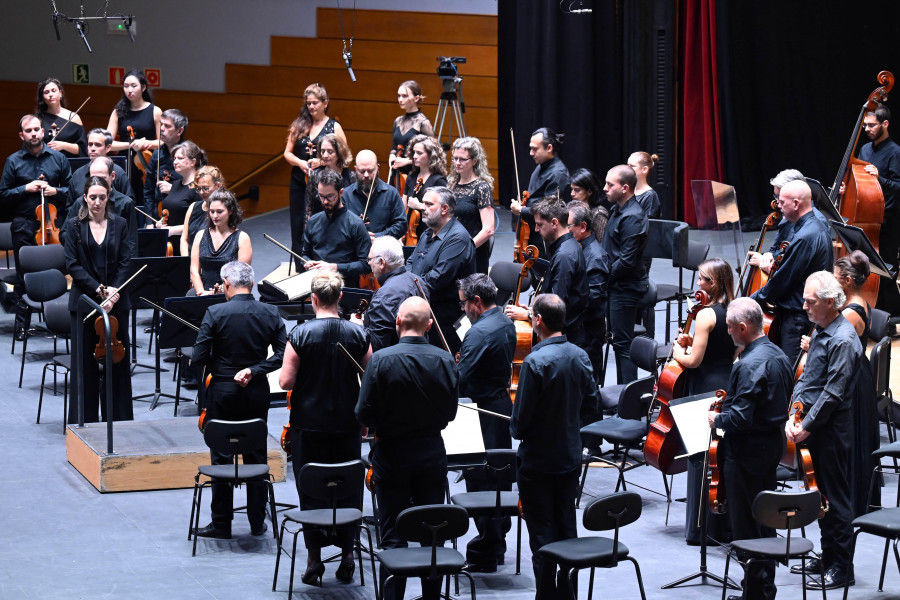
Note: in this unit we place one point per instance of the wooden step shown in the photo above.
(416, 26)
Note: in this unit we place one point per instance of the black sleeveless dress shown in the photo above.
(143, 125)
(867, 437)
(297, 189)
(212, 260)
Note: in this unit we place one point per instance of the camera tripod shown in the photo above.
(450, 102)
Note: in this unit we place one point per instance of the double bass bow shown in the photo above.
(663, 443)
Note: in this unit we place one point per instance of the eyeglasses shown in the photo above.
(204, 188)
(460, 159)
(329, 197)
(462, 303)
(371, 258)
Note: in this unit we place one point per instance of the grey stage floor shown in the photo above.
(63, 539)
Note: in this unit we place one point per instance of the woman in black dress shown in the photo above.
(333, 153)
(304, 135)
(135, 109)
(411, 123)
(429, 170)
(642, 163)
(473, 186)
(208, 180)
(187, 158)
(220, 243)
(63, 129)
(97, 257)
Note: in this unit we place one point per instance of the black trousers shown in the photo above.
(791, 327)
(548, 505)
(94, 393)
(230, 402)
(750, 461)
(595, 339)
(829, 447)
(325, 447)
(23, 232)
(489, 546)
(623, 309)
(297, 211)
(407, 473)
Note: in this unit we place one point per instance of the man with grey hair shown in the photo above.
(444, 255)
(119, 204)
(397, 284)
(809, 250)
(752, 416)
(382, 206)
(99, 143)
(827, 391)
(233, 343)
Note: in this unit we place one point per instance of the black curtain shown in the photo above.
(792, 79)
(565, 72)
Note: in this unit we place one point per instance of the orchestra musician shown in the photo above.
(304, 135)
(758, 390)
(557, 396)
(430, 166)
(581, 225)
(624, 242)
(209, 179)
(99, 143)
(335, 239)
(97, 257)
(567, 275)
(809, 250)
(827, 390)
(162, 173)
(135, 109)
(483, 369)
(324, 428)
(396, 285)
(119, 204)
(383, 207)
(409, 393)
(642, 162)
(444, 255)
(884, 155)
(333, 154)
(29, 174)
(187, 158)
(233, 343)
(473, 185)
(409, 125)
(585, 187)
(219, 244)
(549, 178)
(55, 117)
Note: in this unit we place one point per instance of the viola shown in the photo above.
(201, 422)
(415, 218)
(286, 430)
(118, 350)
(524, 329)
(164, 222)
(45, 213)
(141, 158)
(717, 498)
(663, 442)
(807, 473)
(523, 233)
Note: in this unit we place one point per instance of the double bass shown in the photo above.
(663, 442)
(862, 203)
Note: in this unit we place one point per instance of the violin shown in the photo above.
(807, 473)
(45, 213)
(717, 498)
(118, 350)
(164, 222)
(142, 157)
(361, 308)
(769, 323)
(523, 233)
(524, 329)
(286, 430)
(415, 218)
(663, 442)
(201, 421)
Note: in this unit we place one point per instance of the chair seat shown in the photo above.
(227, 471)
(410, 562)
(8, 276)
(774, 547)
(668, 291)
(63, 360)
(583, 552)
(782, 473)
(889, 451)
(609, 396)
(616, 430)
(324, 517)
(480, 504)
(883, 523)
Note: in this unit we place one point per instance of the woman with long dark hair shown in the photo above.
(334, 154)
(63, 129)
(220, 243)
(411, 123)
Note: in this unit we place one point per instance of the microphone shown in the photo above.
(348, 60)
(79, 25)
(56, 25)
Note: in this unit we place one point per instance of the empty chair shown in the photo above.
(40, 258)
(505, 276)
(696, 254)
(603, 514)
(40, 288)
(58, 323)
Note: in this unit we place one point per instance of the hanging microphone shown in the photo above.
(56, 25)
(79, 25)
(348, 60)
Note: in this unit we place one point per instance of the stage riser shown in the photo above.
(149, 455)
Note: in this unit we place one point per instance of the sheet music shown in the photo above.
(690, 419)
(463, 434)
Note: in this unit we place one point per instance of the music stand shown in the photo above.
(352, 298)
(164, 277)
(689, 414)
(855, 238)
(151, 242)
(822, 201)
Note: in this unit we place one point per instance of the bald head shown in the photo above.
(795, 200)
(413, 317)
(366, 169)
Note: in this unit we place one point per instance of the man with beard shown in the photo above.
(336, 239)
(382, 206)
(99, 143)
(161, 175)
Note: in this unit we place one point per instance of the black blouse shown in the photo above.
(73, 133)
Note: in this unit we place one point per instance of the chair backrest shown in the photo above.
(333, 482)
(649, 297)
(643, 353)
(786, 510)
(881, 366)
(878, 324)
(613, 511)
(6, 242)
(56, 317)
(43, 286)
(505, 275)
(500, 466)
(696, 254)
(632, 402)
(666, 239)
(235, 437)
(432, 524)
(41, 258)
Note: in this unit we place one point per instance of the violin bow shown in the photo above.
(171, 314)
(72, 116)
(369, 197)
(512, 138)
(118, 291)
(285, 248)
(158, 154)
(433, 318)
(349, 356)
(481, 410)
(146, 215)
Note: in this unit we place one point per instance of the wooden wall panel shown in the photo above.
(388, 25)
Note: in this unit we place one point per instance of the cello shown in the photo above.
(524, 330)
(663, 442)
(862, 203)
(752, 278)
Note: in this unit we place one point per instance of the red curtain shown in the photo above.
(701, 142)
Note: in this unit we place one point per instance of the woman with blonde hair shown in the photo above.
(473, 186)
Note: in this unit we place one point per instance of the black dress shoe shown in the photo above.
(211, 531)
(258, 531)
(813, 566)
(479, 568)
(835, 578)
